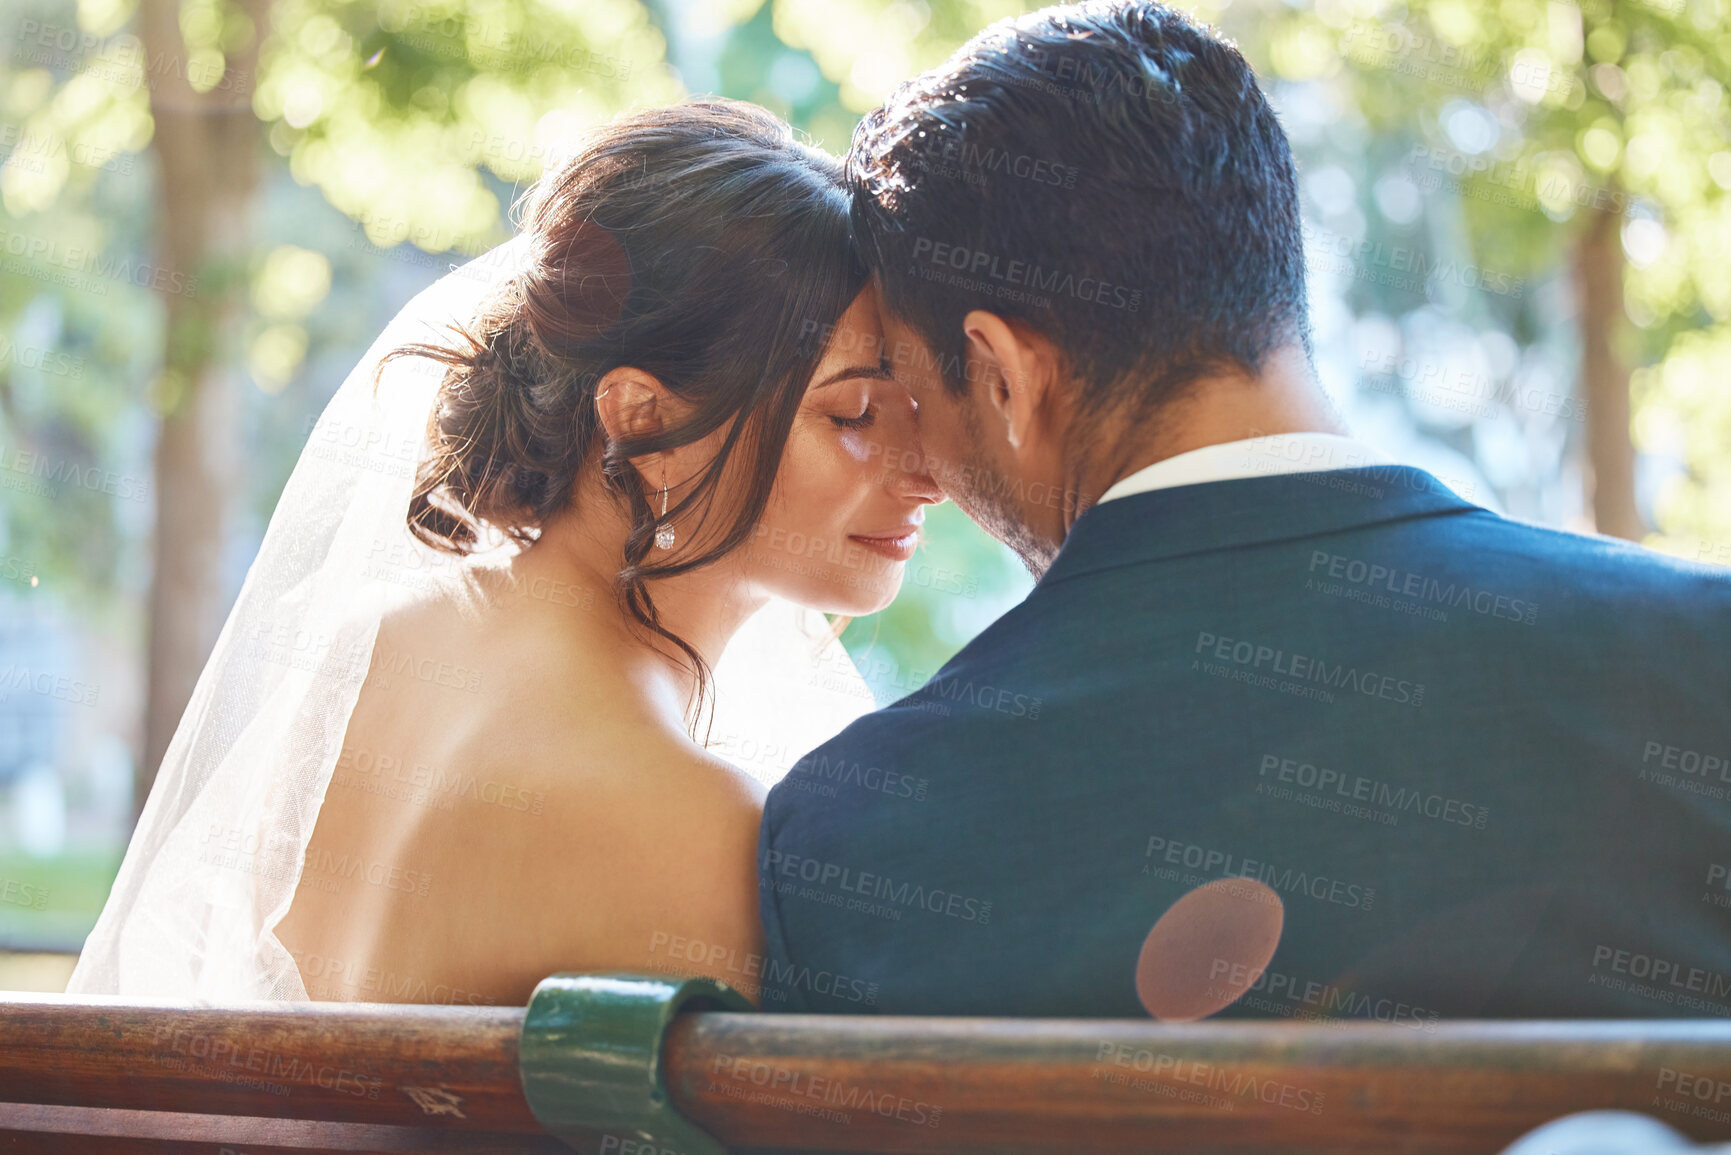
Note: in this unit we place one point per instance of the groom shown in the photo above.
(1473, 766)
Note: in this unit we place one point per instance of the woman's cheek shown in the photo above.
(817, 487)
(860, 446)
(846, 463)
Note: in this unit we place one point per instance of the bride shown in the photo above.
(459, 732)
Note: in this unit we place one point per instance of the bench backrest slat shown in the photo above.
(860, 1084)
(359, 1063)
(906, 1084)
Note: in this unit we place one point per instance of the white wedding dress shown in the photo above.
(217, 854)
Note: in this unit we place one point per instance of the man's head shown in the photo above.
(1080, 215)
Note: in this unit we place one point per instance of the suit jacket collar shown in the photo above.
(1190, 519)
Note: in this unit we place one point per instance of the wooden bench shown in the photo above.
(642, 1065)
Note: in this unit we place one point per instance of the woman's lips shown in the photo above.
(895, 546)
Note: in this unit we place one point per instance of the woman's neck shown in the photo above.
(705, 608)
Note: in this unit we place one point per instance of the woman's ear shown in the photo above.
(632, 404)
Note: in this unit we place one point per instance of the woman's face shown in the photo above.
(852, 489)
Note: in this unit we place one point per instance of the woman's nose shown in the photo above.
(908, 472)
(919, 486)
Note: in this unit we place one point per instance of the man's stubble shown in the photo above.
(987, 496)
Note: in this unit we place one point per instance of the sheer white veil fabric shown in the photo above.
(217, 854)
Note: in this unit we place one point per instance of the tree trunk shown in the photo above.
(207, 150)
(1605, 378)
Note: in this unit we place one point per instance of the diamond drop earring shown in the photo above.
(664, 536)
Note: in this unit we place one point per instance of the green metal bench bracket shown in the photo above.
(590, 1059)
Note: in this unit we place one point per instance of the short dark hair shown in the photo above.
(1108, 173)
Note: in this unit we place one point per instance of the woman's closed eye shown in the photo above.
(863, 421)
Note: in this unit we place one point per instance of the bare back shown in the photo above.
(512, 800)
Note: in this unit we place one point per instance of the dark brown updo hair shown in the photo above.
(700, 243)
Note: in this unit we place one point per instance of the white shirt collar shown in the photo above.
(1253, 457)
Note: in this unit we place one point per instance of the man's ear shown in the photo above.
(1022, 365)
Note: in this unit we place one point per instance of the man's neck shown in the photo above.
(1284, 398)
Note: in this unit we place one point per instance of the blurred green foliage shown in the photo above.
(65, 893)
(1617, 106)
(366, 99)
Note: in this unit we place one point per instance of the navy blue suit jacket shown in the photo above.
(1485, 765)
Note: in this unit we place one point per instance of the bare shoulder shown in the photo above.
(651, 791)
(655, 849)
